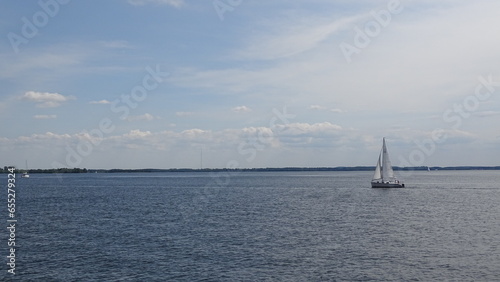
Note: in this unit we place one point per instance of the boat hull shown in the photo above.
(387, 185)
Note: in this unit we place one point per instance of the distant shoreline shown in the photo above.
(270, 169)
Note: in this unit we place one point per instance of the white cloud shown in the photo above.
(306, 129)
(312, 144)
(144, 117)
(285, 39)
(136, 133)
(60, 59)
(316, 107)
(116, 44)
(45, 99)
(174, 3)
(454, 136)
(241, 109)
(45, 116)
(322, 108)
(184, 114)
(223, 139)
(252, 132)
(47, 139)
(100, 102)
(396, 79)
(389, 73)
(195, 134)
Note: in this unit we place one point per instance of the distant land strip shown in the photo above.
(341, 168)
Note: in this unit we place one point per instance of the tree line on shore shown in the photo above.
(355, 168)
(51, 170)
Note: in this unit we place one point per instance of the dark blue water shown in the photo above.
(279, 226)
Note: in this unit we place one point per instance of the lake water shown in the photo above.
(256, 226)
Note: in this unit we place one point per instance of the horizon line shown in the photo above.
(292, 168)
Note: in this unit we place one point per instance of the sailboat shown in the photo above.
(384, 175)
(26, 174)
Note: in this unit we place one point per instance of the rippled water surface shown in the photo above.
(257, 226)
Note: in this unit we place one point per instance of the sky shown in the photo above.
(242, 84)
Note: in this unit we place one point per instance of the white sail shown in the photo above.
(384, 175)
(26, 174)
(387, 172)
(377, 175)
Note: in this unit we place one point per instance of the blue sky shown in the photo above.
(153, 83)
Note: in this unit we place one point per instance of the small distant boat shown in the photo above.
(26, 174)
(384, 175)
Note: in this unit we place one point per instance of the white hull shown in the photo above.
(25, 174)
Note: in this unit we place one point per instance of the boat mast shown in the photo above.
(384, 150)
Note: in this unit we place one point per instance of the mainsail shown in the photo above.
(383, 170)
(387, 172)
